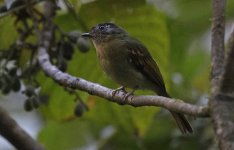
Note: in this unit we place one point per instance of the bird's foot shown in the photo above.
(126, 96)
(129, 94)
(122, 88)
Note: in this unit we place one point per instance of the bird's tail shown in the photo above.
(180, 119)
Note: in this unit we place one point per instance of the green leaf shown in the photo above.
(8, 32)
(64, 135)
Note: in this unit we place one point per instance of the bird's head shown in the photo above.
(105, 32)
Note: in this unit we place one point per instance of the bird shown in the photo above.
(128, 62)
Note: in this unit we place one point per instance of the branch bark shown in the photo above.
(227, 84)
(95, 89)
(217, 42)
(10, 130)
(222, 97)
(223, 103)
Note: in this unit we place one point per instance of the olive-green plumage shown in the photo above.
(128, 62)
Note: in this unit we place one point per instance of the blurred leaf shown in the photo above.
(187, 28)
(8, 33)
(64, 135)
(61, 104)
(190, 24)
(123, 141)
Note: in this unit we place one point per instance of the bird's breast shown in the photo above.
(115, 63)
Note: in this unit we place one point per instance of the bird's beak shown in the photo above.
(86, 35)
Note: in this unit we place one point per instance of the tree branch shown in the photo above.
(223, 103)
(217, 41)
(95, 89)
(222, 99)
(16, 6)
(227, 84)
(10, 130)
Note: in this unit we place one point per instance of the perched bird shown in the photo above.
(128, 62)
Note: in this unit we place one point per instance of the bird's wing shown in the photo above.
(143, 61)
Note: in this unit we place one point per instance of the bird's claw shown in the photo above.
(122, 88)
(126, 96)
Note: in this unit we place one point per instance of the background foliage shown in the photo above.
(177, 35)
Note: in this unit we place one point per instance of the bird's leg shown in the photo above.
(122, 88)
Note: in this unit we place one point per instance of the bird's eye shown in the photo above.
(101, 27)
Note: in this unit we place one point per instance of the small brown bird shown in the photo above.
(128, 62)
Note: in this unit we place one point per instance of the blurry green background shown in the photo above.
(177, 33)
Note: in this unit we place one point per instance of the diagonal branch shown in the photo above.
(95, 89)
(10, 130)
(16, 6)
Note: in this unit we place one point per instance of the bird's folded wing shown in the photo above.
(141, 59)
